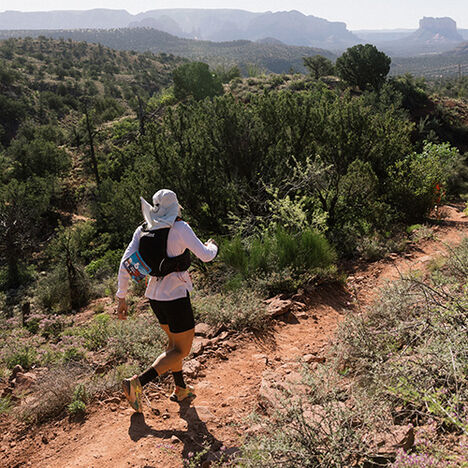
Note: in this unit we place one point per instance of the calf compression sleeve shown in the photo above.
(147, 376)
(179, 379)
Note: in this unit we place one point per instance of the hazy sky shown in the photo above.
(357, 14)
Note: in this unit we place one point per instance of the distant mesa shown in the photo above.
(437, 30)
(434, 36)
(287, 27)
(295, 28)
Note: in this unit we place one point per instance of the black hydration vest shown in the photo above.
(153, 250)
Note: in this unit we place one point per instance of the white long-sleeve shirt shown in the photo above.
(174, 285)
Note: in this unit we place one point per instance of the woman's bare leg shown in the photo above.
(170, 344)
(172, 358)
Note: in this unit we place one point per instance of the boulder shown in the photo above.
(223, 335)
(16, 370)
(25, 380)
(199, 344)
(300, 297)
(393, 439)
(277, 306)
(221, 355)
(230, 344)
(309, 358)
(208, 331)
(192, 367)
(203, 329)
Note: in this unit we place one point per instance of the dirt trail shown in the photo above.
(227, 390)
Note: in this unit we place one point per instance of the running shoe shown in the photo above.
(180, 393)
(133, 391)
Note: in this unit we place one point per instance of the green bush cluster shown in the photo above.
(421, 178)
(302, 252)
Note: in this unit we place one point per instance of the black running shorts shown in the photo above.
(177, 314)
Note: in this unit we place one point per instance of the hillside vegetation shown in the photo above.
(292, 176)
(47, 80)
(276, 58)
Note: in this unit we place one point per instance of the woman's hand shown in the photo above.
(211, 241)
(122, 309)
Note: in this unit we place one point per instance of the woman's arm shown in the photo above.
(124, 277)
(205, 252)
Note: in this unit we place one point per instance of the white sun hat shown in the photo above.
(163, 212)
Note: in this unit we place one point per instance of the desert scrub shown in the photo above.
(401, 363)
(47, 325)
(323, 428)
(137, 340)
(411, 348)
(241, 309)
(97, 332)
(20, 347)
(57, 391)
(419, 232)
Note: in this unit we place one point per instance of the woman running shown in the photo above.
(168, 295)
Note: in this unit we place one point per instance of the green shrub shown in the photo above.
(196, 80)
(233, 253)
(106, 265)
(414, 180)
(79, 400)
(23, 354)
(77, 407)
(54, 292)
(303, 252)
(67, 250)
(138, 339)
(72, 354)
(363, 66)
(97, 332)
(371, 248)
